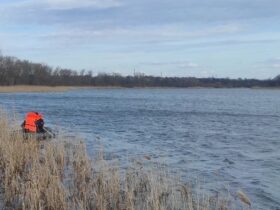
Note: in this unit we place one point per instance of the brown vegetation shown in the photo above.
(30, 88)
(60, 175)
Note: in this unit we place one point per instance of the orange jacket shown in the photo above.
(30, 121)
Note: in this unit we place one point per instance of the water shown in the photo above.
(226, 138)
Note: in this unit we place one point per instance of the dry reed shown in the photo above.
(58, 175)
(30, 88)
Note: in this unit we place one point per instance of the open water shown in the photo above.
(225, 138)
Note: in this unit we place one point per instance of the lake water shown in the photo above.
(226, 138)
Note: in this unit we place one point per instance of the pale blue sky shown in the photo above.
(221, 38)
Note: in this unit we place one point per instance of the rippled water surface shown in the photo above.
(228, 138)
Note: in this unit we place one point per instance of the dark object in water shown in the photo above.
(228, 161)
(45, 134)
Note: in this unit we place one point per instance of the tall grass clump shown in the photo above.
(59, 175)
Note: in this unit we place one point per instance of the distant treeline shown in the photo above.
(22, 72)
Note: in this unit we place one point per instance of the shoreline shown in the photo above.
(35, 89)
(50, 89)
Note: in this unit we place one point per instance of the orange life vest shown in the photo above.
(30, 121)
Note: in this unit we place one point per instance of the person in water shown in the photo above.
(33, 123)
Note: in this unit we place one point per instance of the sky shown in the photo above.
(200, 38)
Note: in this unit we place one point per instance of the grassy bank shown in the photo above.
(60, 175)
(47, 89)
(30, 88)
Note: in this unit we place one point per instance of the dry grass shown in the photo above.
(30, 88)
(60, 175)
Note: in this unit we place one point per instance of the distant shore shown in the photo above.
(46, 89)
(30, 88)
(14, 71)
